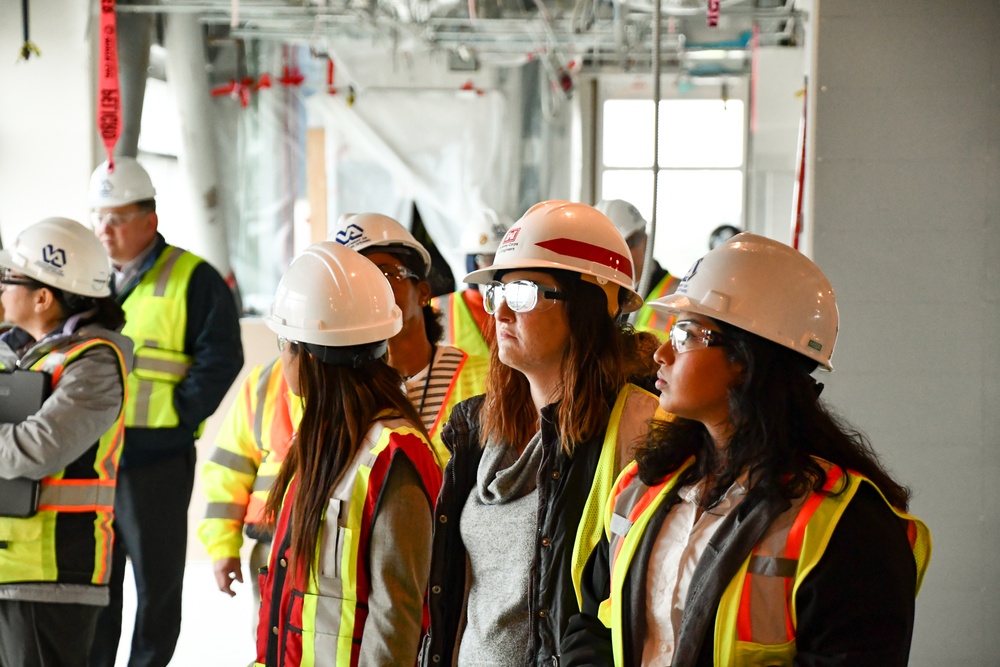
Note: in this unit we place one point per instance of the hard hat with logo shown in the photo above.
(572, 237)
(127, 184)
(362, 231)
(331, 296)
(764, 287)
(626, 217)
(483, 235)
(61, 253)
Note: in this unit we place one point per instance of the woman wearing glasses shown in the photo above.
(534, 458)
(755, 528)
(351, 505)
(436, 377)
(59, 465)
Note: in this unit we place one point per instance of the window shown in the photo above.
(701, 169)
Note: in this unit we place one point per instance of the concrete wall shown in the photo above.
(907, 224)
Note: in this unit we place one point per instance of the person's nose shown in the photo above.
(665, 354)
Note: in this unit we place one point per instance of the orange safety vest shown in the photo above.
(318, 619)
(47, 547)
(756, 619)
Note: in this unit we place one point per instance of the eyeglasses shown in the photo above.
(521, 296)
(7, 278)
(397, 273)
(284, 342)
(688, 335)
(114, 220)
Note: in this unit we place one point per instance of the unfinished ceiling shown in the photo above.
(696, 37)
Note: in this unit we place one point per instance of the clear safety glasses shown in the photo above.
(521, 296)
(687, 335)
(109, 219)
(397, 273)
(8, 278)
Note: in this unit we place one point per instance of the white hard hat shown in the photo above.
(764, 287)
(568, 236)
(127, 184)
(361, 231)
(626, 217)
(332, 296)
(485, 232)
(63, 254)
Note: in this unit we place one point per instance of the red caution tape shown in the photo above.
(109, 106)
(713, 13)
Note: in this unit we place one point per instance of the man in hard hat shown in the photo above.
(632, 226)
(183, 319)
(466, 322)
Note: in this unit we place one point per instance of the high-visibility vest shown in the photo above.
(460, 327)
(648, 319)
(320, 620)
(69, 539)
(238, 475)
(767, 581)
(634, 407)
(156, 321)
(469, 380)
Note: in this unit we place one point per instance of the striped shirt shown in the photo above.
(427, 393)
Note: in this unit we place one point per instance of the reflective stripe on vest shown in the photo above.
(626, 410)
(469, 380)
(156, 320)
(33, 543)
(331, 608)
(756, 619)
(648, 319)
(460, 327)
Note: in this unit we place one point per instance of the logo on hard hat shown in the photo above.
(53, 256)
(683, 287)
(348, 235)
(511, 236)
(107, 187)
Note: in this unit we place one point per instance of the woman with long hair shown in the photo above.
(58, 465)
(351, 504)
(534, 458)
(755, 528)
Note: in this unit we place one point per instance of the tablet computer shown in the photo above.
(21, 395)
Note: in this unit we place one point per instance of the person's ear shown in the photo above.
(423, 293)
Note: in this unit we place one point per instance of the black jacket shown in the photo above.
(563, 485)
(855, 608)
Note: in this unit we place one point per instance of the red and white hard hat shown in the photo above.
(764, 287)
(361, 231)
(571, 237)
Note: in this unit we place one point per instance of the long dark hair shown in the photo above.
(778, 424)
(600, 358)
(340, 404)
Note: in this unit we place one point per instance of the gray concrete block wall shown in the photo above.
(906, 222)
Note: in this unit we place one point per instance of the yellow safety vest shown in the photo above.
(156, 321)
(460, 327)
(633, 407)
(47, 547)
(248, 453)
(319, 620)
(648, 319)
(796, 539)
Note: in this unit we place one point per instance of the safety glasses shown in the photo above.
(397, 273)
(115, 220)
(521, 296)
(284, 342)
(687, 335)
(7, 278)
